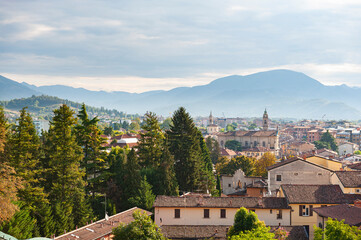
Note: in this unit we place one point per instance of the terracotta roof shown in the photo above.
(221, 202)
(250, 133)
(258, 184)
(257, 149)
(228, 152)
(195, 231)
(295, 232)
(351, 198)
(317, 194)
(351, 214)
(102, 227)
(355, 166)
(350, 179)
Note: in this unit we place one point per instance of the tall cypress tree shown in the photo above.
(89, 138)
(131, 178)
(65, 155)
(185, 146)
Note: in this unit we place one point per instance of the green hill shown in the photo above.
(44, 105)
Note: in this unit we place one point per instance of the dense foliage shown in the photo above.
(226, 166)
(59, 181)
(337, 230)
(233, 145)
(142, 228)
(326, 141)
(247, 226)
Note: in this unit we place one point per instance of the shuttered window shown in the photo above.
(176, 213)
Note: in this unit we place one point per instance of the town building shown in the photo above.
(347, 148)
(212, 128)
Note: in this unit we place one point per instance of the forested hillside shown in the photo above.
(45, 105)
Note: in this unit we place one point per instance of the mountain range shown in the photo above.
(284, 93)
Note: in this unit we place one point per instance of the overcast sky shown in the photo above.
(146, 45)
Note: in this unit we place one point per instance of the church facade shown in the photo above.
(264, 138)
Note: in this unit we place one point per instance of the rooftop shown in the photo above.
(316, 194)
(102, 227)
(351, 214)
(221, 202)
(350, 179)
(250, 133)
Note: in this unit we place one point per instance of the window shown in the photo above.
(264, 144)
(358, 190)
(255, 143)
(279, 214)
(319, 174)
(223, 213)
(246, 143)
(296, 174)
(270, 211)
(229, 185)
(176, 213)
(278, 178)
(323, 205)
(206, 213)
(306, 210)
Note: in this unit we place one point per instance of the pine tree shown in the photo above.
(67, 184)
(21, 224)
(89, 138)
(150, 142)
(185, 146)
(144, 197)
(23, 153)
(207, 166)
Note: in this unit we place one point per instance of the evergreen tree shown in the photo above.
(89, 138)
(150, 142)
(219, 187)
(132, 178)
(144, 197)
(207, 169)
(67, 184)
(21, 224)
(184, 144)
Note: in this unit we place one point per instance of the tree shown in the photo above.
(66, 178)
(260, 233)
(166, 124)
(184, 144)
(144, 198)
(21, 224)
(231, 166)
(247, 226)
(88, 136)
(150, 142)
(233, 145)
(268, 159)
(326, 141)
(108, 130)
(142, 228)
(23, 153)
(230, 128)
(219, 187)
(281, 233)
(9, 186)
(214, 149)
(337, 230)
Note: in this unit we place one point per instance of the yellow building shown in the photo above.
(349, 181)
(331, 164)
(303, 198)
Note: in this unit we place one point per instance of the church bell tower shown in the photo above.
(265, 120)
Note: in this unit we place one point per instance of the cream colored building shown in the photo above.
(297, 171)
(236, 182)
(325, 162)
(198, 211)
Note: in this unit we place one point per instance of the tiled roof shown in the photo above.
(257, 184)
(351, 198)
(355, 166)
(221, 202)
(250, 133)
(350, 179)
(228, 152)
(102, 227)
(316, 194)
(195, 231)
(295, 232)
(351, 214)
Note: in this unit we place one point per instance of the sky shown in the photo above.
(138, 45)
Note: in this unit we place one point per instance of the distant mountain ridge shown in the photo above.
(284, 93)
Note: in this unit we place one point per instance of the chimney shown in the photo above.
(357, 203)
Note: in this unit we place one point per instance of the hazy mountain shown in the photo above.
(10, 89)
(284, 93)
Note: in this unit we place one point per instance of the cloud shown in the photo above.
(163, 40)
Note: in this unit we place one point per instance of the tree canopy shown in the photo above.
(337, 230)
(326, 141)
